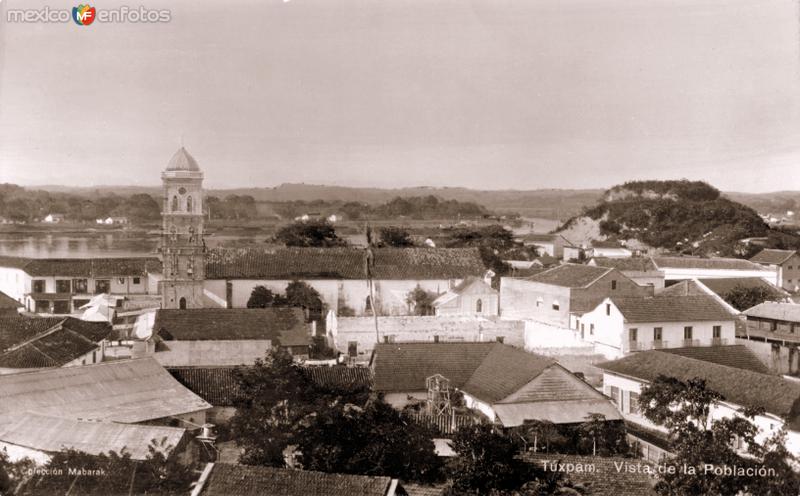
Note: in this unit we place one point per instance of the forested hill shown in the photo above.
(685, 216)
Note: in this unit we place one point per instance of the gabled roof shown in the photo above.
(283, 324)
(249, 480)
(53, 434)
(84, 267)
(686, 287)
(16, 328)
(672, 309)
(216, 385)
(503, 371)
(717, 263)
(788, 312)
(344, 263)
(772, 257)
(723, 286)
(472, 284)
(630, 264)
(737, 356)
(607, 479)
(738, 386)
(8, 303)
(127, 391)
(71, 339)
(570, 275)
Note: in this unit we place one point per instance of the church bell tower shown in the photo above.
(182, 247)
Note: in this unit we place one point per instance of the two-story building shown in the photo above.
(558, 296)
(785, 262)
(772, 330)
(619, 325)
(60, 286)
(726, 370)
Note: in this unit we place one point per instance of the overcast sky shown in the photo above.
(480, 93)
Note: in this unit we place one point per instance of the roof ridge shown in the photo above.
(32, 339)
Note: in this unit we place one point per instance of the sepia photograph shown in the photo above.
(400, 248)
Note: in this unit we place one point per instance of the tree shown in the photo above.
(698, 441)
(421, 301)
(373, 440)
(312, 233)
(395, 237)
(743, 297)
(487, 461)
(261, 297)
(320, 349)
(301, 294)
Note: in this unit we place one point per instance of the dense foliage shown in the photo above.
(311, 233)
(698, 441)
(421, 301)
(283, 415)
(742, 297)
(23, 205)
(102, 475)
(415, 207)
(395, 237)
(298, 294)
(686, 216)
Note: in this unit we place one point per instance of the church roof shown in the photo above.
(182, 161)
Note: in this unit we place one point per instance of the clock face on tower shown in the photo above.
(182, 190)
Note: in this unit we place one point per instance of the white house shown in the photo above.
(473, 296)
(609, 249)
(680, 268)
(508, 385)
(618, 326)
(624, 379)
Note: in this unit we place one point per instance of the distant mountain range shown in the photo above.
(558, 204)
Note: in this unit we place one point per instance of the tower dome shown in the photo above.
(182, 161)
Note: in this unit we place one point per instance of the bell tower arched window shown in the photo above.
(189, 204)
(174, 204)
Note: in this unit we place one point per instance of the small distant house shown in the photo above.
(53, 218)
(785, 262)
(623, 380)
(506, 384)
(559, 295)
(550, 244)
(608, 249)
(473, 296)
(223, 479)
(680, 268)
(225, 337)
(641, 270)
(618, 325)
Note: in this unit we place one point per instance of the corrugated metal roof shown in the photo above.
(788, 312)
(52, 434)
(771, 256)
(717, 263)
(127, 391)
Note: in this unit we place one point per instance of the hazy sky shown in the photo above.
(479, 93)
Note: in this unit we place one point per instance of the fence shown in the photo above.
(444, 424)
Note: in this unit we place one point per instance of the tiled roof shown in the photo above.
(216, 385)
(426, 263)
(672, 309)
(489, 371)
(73, 339)
(53, 434)
(469, 281)
(606, 479)
(8, 303)
(338, 377)
(737, 356)
(420, 490)
(285, 324)
(629, 264)
(788, 312)
(723, 286)
(248, 480)
(16, 328)
(343, 263)
(707, 263)
(570, 275)
(84, 267)
(773, 257)
(687, 287)
(285, 263)
(127, 391)
(741, 387)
